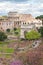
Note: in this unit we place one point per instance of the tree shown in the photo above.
(8, 30)
(3, 36)
(17, 33)
(40, 17)
(32, 35)
(41, 31)
(15, 29)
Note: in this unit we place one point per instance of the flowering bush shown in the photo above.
(17, 62)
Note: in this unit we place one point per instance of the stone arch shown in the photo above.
(25, 28)
(23, 32)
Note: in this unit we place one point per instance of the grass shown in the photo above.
(1, 49)
(5, 55)
(6, 50)
(6, 42)
(4, 46)
(9, 50)
(1, 55)
(8, 55)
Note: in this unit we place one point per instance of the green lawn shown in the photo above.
(1, 49)
(5, 55)
(6, 42)
(9, 50)
(4, 49)
(8, 55)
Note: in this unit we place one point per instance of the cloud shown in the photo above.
(38, 1)
(8, 6)
(26, 6)
(14, 0)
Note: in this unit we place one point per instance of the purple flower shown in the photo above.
(17, 62)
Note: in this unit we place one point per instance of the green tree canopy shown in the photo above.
(39, 17)
(41, 31)
(8, 30)
(32, 35)
(15, 29)
(3, 36)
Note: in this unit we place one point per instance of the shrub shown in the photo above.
(3, 36)
(16, 33)
(41, 31)
(8, 30)
(15, 29)
(32, 35)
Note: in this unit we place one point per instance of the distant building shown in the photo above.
(20, 19)
(6, 24)
(23, 21)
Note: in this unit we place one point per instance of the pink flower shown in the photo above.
(17, 62)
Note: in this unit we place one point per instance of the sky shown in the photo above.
(34, 7)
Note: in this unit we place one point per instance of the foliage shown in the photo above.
(3, 36)
(32, 35)
(39, 17)
(4, 16)
(15, 29)
(16, 33)
(9, 50)
(8, 30)
(41, 31)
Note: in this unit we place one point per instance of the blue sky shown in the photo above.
(34, 7)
